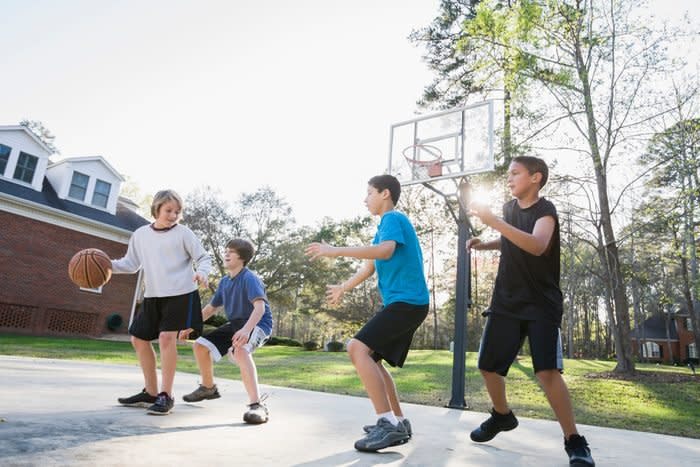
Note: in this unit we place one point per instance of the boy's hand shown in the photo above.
(334, 293)
(240, 338)
(201, 280)
(184, 334)
(473, 242)
(317, 249)
(483, 212)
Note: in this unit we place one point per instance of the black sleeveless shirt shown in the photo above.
(527, 286)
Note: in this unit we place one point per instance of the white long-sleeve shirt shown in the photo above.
(169, 259)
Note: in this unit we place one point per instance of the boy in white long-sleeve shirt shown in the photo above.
(174, 262)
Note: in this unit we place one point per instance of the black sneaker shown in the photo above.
(383, 435)
(162, 406)
(406, 424)
(493, 425)
(202, 393)
(579, 452)
(256, 414)
(142, 399)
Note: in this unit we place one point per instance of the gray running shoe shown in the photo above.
(383, 435)
(202, 393)
(406, 424)
(142, 399)
(256, 414)
(163, 405)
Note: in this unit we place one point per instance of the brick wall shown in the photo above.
(36, 295)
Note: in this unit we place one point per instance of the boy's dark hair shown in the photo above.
(534, 165)
(387, 182)
(243, 248)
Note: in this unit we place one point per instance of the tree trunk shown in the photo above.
(610, 257)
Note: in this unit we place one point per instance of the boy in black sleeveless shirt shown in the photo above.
(526, 302)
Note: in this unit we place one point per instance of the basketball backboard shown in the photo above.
(443, 145)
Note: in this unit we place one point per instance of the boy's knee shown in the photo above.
(357, 349)
(240, 355)
(547, 376)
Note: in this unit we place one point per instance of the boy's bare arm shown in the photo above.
(536, 243)
(335, 292)
(383, 250)
(477, 244)
(241, 336)
(207, 312)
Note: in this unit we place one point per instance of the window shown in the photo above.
(651, 350)
(688, 325)
(101, 194)
(693, 351)
(4, 157)
(26, 166)
(78, 186)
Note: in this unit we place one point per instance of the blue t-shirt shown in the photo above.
(237, 295)
(401, 277)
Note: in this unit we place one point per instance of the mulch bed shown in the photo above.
(647, 377)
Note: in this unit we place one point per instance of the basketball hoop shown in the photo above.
(427, 167)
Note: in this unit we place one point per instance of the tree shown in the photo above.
(40, 131)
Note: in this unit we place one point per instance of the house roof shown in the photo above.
(124, 218)
(654, 328)
(89, 159)
(30, 133)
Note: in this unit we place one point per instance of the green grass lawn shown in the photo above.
(645, 404)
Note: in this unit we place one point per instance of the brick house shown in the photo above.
(48, 211)
(667, 339)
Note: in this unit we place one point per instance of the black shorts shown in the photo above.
(158, 314)
(503, 336)
(389, 333)
(219, 340)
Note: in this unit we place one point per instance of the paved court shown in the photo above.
(58, 412)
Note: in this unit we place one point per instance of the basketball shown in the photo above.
(90, 268)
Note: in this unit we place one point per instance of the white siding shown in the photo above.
(61, 174)
(20, 141)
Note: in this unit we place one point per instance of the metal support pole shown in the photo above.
(462, 301)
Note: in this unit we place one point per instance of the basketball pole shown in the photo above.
(463, 291)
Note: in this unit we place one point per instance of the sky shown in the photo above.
(236, 95)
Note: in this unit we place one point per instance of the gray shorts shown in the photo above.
(219, 340)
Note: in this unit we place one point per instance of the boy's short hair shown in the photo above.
(162, 197)
(387, 182)
(243, 248)
(534, 165)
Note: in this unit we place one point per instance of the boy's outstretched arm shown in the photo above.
(335, 292)
(476, 244)
(383, 250)
(536, 243)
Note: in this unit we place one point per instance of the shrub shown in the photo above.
(334, 346)
(274, 340)
(311, 345)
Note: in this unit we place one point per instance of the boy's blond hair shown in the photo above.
(162, 197)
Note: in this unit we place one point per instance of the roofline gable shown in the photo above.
(88, 159)
(31, 135)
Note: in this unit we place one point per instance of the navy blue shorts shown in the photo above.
(389, 333)
(158, 314)
(503, 336)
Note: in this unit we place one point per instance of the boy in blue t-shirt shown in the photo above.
(396, 255)
(242, 294)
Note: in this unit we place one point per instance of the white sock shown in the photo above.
(389, 416)
(401, 419)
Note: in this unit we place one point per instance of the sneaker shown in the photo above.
(162, 406)
(142, 399)
(406, 424)
(383, 435)
(579, 452)
(256, 414)
(493, 425)
(202, 393)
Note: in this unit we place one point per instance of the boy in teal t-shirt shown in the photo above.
(396, 256)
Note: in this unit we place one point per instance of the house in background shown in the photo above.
(667, 339)
(48, 212)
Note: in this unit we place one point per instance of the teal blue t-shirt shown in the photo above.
(401, 277)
